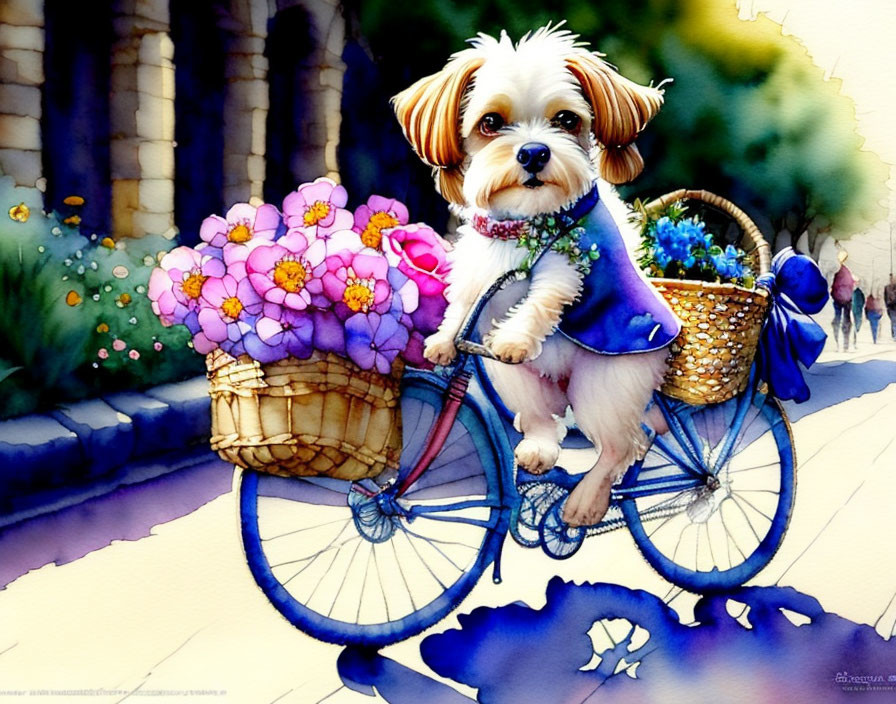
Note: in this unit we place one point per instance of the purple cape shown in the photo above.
(618, 311)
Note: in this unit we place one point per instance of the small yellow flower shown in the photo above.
(73, 220)
(124, 299)
(73, 299)
(108, 243)
(74, 200)
(102, 327)
(20, 212)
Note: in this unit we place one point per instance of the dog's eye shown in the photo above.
(490, 124)
(566, 120)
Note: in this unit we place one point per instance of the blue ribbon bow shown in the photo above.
(798, 290)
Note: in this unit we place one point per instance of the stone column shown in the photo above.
(322, 86)
(246, 103)
(21, 78)
(142, 120)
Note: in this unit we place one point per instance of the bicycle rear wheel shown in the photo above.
(353, 569)
(723, 531)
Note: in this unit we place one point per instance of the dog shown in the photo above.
(516, 132)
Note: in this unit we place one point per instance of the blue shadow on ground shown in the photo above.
(779, 645)
(835, 382)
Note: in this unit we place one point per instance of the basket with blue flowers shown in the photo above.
(709, 283)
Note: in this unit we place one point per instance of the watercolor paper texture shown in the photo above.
(136, 562)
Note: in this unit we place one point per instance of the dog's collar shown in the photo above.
(515, 229)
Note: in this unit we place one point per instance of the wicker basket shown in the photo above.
(711, 357)
(318, 416)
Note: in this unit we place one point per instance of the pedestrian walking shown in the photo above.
(890, 302)
(841, 293)
(858, 307)
(874, 311)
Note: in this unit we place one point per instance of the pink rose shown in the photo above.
(420, 254)
(118, 345)
(103, 353)
(134, 354)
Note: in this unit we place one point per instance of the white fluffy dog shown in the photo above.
(515, 132)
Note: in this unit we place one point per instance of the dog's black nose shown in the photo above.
(533, 156)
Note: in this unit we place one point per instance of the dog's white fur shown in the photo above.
(528, 84)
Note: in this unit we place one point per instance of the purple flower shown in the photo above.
(406, 294)
(317, 209)
(429, 314)
(329, 333)
(284, 332)
(244, 225)
(373, 341)
(413, 353)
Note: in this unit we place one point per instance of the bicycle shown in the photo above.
(374, 562)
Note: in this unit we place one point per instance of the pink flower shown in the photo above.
(176, 284)
(134, 354)
(244, 225)
(102, 353)
(157, 346)
(118, 345)
(317, 209)
(357, 282)
(227, 313)
(282, 272)
(376, 215)
(419, 253)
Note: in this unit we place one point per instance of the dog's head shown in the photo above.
(517, 129)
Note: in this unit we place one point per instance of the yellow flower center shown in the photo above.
(241, 233)
(316, 212)
(192, 285)
(372, 234)
(290, 275)
(20, 212)
(358, 297)
(232, 307)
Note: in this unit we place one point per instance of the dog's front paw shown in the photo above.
(513, 346)
(439, 349)
(536, 455)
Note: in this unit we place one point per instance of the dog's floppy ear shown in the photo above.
(429, 114)
(621, 109)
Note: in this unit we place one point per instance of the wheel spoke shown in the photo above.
(404, 579)
(425, 563)
(342, 583)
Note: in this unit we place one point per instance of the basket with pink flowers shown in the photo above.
(307, 315)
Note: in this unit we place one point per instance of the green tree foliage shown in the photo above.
(748, 115)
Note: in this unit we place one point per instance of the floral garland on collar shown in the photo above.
(547, 232)
(558, 232)
(537, 235)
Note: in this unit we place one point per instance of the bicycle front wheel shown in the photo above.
(723, 530)
(349, 568)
